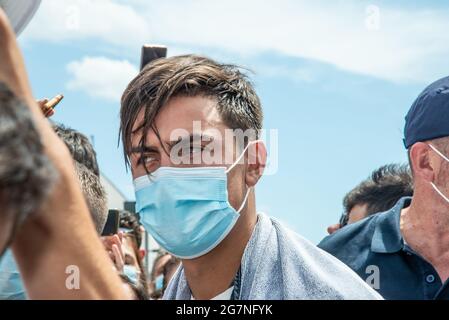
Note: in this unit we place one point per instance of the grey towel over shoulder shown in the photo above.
(279, 264)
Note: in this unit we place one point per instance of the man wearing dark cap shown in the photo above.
(404, 252)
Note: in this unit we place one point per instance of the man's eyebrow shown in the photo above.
(141, 149)
(202, 138)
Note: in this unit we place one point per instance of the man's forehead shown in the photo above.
(183, 113)
(204, 129)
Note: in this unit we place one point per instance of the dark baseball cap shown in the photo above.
(428, 118)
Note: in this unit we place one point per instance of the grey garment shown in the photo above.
(19, 12)
(279, 264)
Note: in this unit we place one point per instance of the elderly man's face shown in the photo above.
(441, 154)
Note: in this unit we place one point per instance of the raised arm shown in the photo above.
(57, 246)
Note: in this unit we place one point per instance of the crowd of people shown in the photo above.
(392, 241)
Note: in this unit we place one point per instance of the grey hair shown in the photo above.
(94, 194)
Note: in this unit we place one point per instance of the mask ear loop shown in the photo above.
(439, 192)
(242, 154)
(433, 184)
(232, 167)
(244, 199)
(439, 153)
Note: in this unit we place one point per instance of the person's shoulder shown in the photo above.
(327, 276)
(356, 234)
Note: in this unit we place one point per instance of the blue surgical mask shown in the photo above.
(186, 210)
(159, 283)
(132, 273)
(11, 285)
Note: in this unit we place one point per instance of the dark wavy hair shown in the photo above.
(80, 148)
(381, 190)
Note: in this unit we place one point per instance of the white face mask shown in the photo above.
(433, 185)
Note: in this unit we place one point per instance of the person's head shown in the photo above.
(133, 255)
(164, 267)
(426, 138)
(86, 166)
(26, 173)
(94, 194)
(79, 146)
(190, 103)
(378, 193)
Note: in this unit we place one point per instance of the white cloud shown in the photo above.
(101, 77)
(105, 20)
(404, 44)
(404, 47)
(307, 74)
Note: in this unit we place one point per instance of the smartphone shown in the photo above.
(112, 223)
(152, 52)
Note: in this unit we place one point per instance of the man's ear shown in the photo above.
(142, 253)
(256, 162)
(421, 161)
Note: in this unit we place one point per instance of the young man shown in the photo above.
(195, 188)
(405, 251)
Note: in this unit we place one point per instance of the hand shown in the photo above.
(48, 112)
(114, 247)
(331, 229)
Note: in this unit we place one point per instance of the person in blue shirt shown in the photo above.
(380, 192)
(403, 253)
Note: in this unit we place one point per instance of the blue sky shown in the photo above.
(336, 79)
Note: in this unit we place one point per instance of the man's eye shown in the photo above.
(147, 159)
